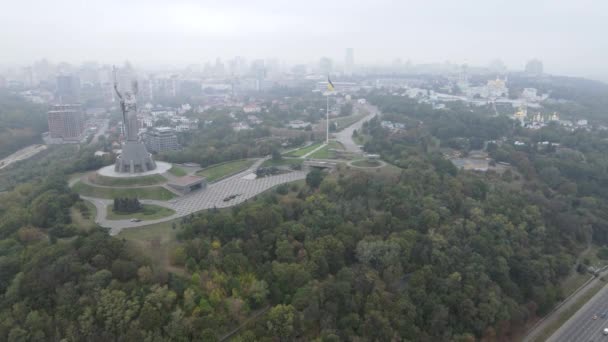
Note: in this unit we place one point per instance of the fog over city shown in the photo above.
(565, 35)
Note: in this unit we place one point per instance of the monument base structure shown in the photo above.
(134, 159)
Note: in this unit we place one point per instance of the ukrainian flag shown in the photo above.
(330, 86)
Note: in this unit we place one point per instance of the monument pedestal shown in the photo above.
(134, 158)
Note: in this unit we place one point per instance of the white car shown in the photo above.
(605, 331)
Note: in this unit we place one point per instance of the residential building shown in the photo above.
(349, 62)
(161, 139)
(240, 126)
(298, 124)
(534, 67)
(254, 120)
(252, 108)
(66, 122)
(68, 89)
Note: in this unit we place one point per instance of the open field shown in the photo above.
(81, 221)
(162, 231)
(177, 171)
(148, 212)
(154, 192)
(155, 241)
(325, 152)
(130, 181)
(303, 150)
(388, 171)
(218, 171)
(284, 161)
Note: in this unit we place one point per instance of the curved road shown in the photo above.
(345, 136)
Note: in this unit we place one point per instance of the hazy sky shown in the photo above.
(568, 36)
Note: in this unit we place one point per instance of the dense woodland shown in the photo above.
(418, 251)
(217, 142)
(21, 123)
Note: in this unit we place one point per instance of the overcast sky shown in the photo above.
(568, 36)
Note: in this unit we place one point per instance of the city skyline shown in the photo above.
(565, 36)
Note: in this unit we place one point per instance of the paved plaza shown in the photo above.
(213, 196)
(108, 171)
(240, 187)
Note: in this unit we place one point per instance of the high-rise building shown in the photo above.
(161, 139)
(325, 66)
(66, 121)
(146, 89)
(534, 67)
(497, 66)
(349, 61)
(29, 78)
(258, 69)
(68, 89)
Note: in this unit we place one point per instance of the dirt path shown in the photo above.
(313, 151)
(249, 320)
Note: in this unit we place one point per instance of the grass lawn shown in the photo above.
(366, 163)
(156, 241)
(218, 171)
(575, 279)
(149, 212)
(162, 230)
(130, 181)
(177, 171)
(388, 171)
(325, 152)
(154, 192)
(77, 175)
(302, 151)
(573, 282)
(81, 221)
(283, 161)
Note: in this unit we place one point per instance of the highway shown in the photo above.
(581, 326)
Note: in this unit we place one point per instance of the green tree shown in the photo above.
(314, 178)
(280, 322)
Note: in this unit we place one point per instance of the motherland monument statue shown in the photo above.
(135, 157)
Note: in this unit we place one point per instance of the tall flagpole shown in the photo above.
(327, 114)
